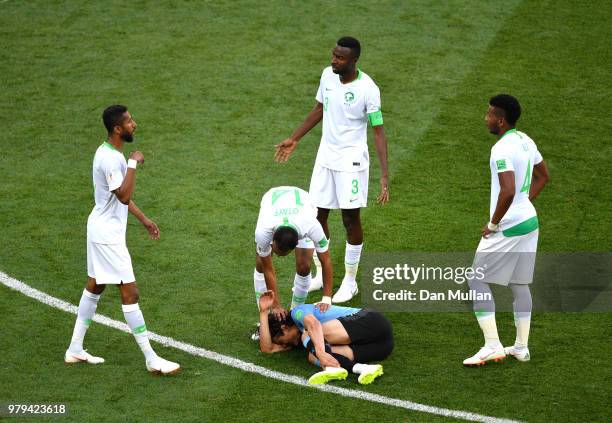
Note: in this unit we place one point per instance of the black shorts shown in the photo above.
(371, 335)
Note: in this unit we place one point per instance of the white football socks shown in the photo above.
(86, 311)
(135, 320)
(486, 320)
(522, 323)
(352, 254)
(300, 289)
(259, 283)
(522, 306)
(359, 368)
(317, 264)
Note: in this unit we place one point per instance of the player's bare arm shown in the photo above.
(504, 199)
(315, 331)
(285, 148)
(125, 191)
(539, 179)
(265, 339)
(380, 140)
(149, 225)
(326, 266)
(270, 276)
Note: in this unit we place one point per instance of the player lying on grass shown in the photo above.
(287, 221)
(339, 340)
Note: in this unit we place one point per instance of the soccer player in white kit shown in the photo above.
(347, 100)
(108, 259)
(509, 240)
(287, 221)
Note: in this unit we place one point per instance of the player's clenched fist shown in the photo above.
(138, 156)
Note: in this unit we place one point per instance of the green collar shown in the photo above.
(109, 145)
(508, 132)
(356, 79)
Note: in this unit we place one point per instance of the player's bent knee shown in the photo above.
(129, 293)
(303, 269)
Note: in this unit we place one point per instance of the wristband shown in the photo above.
(326, 300)
(132, 163)
(492, 226)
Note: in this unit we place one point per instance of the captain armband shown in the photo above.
(375, 118)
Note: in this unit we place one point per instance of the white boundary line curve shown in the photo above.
(47, 299)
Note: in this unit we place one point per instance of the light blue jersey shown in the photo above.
(334, 312)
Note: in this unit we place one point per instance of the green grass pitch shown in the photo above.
(213, 86)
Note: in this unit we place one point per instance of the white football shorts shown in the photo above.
(507, 260)
(109, 263)
(333, 189)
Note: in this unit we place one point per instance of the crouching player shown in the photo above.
(287, 221)
(340, 340)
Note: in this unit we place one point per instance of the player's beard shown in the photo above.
(127, 136)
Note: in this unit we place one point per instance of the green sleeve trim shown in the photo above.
(376, 118)
(523, 228)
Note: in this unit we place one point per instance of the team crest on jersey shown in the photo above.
(349, 97)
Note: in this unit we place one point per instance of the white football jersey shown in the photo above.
(108, 219)
(288, 206)
(345, 118)
(516, 152)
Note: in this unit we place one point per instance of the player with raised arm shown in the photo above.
(108, 259)
(509, 240)
(339, 340)
(347, 99)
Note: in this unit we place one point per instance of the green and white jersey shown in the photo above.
(346, 111)
(288, 206)
(108, 219)
(516, 152)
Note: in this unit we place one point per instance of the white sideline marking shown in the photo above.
(249, 367)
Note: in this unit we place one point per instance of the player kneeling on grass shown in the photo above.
(288, 221)
(340, 340)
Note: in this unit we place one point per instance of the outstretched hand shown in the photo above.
(284, 150)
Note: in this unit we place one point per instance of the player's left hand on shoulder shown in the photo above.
(323, 307)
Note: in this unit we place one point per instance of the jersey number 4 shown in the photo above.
(527, 181)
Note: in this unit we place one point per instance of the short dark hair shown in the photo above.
(510, 106)
(352, 43)
(275, 325)
(113, 116)
(286, 238)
